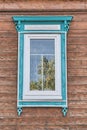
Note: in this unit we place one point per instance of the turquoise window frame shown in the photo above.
(64, 22)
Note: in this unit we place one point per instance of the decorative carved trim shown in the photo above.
(66, 27)
(18, 25)
(19, 110)
(20, 22)
(64, 111)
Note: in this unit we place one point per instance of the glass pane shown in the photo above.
(42, 46)
(42, 64)
(35, 78)
(49, 72)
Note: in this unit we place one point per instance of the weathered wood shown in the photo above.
(7, 96)
(7, 121)
(77, 40)
(7, 105)
(8, 127)
(8, 89)
(79, 80)
(77, 55)
(77, 88)
(77, 48)
(78, 25)
(44, 118)
(52, 121)
(78, 104)
(77, 64)
(78, 127)
(75, 113)
(42, 5)
(12, 64)
(43, 112)
(10, 114)
(45, 127)
(77, 72)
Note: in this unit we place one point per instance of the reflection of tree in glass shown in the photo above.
(35, 85)
(48, 75)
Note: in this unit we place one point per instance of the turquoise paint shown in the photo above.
(48, 104)
(63, 66)
(42, 18)
(64, 21)
(21, 47)
(64, 111)
(19, 110)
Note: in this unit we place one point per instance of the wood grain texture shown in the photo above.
(42, 5)
(44, 118)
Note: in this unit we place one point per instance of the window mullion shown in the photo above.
(42, 71)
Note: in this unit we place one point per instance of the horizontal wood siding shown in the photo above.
(44, 118)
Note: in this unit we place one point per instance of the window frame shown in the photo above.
(56, 95)
(20, 22)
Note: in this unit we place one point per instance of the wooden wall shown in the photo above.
(44, 118)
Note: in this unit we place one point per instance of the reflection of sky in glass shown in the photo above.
(34, 62)
(42, 46)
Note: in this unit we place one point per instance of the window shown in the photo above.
(42, 61)
(42, 67)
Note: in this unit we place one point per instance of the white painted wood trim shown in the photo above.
(27, 94)
(41, 27)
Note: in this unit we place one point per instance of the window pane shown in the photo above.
(42, 64)
(49, 72)
(35, 78)
(42, 46)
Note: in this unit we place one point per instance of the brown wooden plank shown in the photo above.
(76, 48)
(8, 34)
(42, 5)
(7, 96)
(77, 88)
(77, 104)
(41, 112)
(8, 40)
(78, 25)
(8, 127)
(52, 121)
(77, 64)
(6, 64)
(77, 72)
(73, 112)
(45, 127)
(8, 72)
(73, 35)
(77, 96)
(8, 105)
(82, 90)
(8, 113)
(78, 127)
(8, 56)
(8, 26)
(79, 80)
(77, 40)
(77, 31)
(7, 121)
(8, 81)
(77, 55)
(8, 89)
